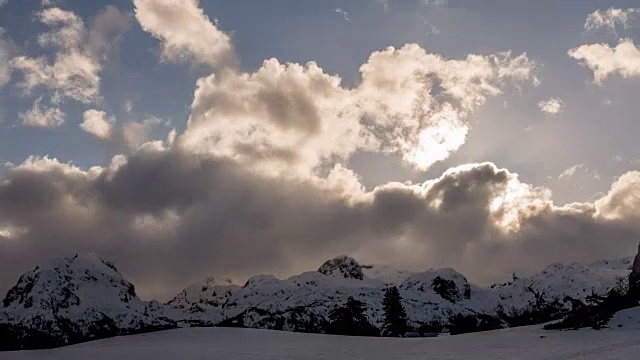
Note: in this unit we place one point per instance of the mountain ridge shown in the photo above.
(84, 297)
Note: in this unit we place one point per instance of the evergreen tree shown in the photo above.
(395, 317)
(350, 319)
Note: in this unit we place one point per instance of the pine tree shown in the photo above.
(350, 319)
(395, 317)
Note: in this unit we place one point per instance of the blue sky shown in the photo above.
(149, 73)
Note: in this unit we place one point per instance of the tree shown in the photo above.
(395, 317)
(350, 319)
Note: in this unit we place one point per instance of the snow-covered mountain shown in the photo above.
(81, 298)
(75, 299)
(303, 302)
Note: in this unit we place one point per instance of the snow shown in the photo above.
(82, 290)
(265, 298)
(525, 343)
(85, 290)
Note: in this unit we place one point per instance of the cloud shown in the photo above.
(570, 171)
(96, 123)
(136, 133)
(126, 136)
(183, 216)
(79, 54)
(604, 60)
(609, 18)
(43, 117)
(344, 14)
(3, 2)
(552, 106)
(106, 31)
(409, 102)
(185, 32)
(623, 200)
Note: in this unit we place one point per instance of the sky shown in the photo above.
(183, 139)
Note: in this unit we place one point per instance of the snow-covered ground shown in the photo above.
(525, 343)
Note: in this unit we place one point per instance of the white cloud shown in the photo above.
(609, 18)
(623, 199)
(73, 72)
(185, 32)
(419, 101)
(128, 106)
(96, 123)
(344, 14)
(78, 57)
(136, 133)
(44, 117)
(603, 60)
(570, 171)
(409, 102)
(551, 106)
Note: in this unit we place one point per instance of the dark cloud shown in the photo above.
(168, 217)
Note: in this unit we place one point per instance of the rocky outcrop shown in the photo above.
(342, 266)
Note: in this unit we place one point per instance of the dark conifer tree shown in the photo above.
(350, 319)
(395, 317)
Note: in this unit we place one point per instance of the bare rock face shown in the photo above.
(343, 267)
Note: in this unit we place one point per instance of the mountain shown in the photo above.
(431, 298)
(73, 299)
(69, 300)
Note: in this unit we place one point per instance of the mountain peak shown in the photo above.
(342, 266)
(83, 290)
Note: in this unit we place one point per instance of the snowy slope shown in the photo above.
(524, 343)
(206, 298)
(559, 281)
(77, 298)
(303, 302)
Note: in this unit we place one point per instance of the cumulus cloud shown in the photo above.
(97, 123)
(604, 60)
(42, 116)
(79, 54)
(552, 106)
(126, 136)
(623, 200)
(185, 32)
(409, 102)
(610, 18)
